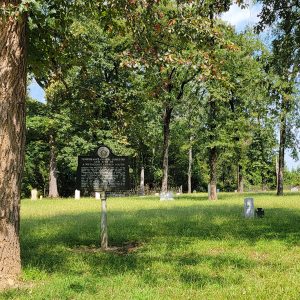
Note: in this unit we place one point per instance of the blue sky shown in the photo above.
(36, 92)
(240, 18)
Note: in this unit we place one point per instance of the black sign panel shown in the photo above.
(103, 172)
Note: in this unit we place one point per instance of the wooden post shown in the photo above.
(104, 237)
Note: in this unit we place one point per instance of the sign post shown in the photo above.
(104, 236)
(103, 172)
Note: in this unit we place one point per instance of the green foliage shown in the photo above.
(292, 178)
(37, 148)
(110, 70)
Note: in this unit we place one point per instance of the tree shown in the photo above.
(284, 16)
(36, 172)
(13, 66)
(261, 153)
(12, 136)
(236, 90)
(172, 45)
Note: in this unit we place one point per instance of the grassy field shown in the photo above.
(189, 248)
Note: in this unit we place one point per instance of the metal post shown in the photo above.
(104, 237)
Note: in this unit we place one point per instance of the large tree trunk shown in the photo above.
(53, 191)
(240, 179)
(166, 123)
(190, 170)
(12, 139)
(281, 155)
(213, 173)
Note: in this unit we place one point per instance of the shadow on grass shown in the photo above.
(47, 243)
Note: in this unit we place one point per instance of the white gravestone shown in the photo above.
(77, 194)
(97, 196)
(34, 194)
(166, 196)
(294, 189)
(249, 207)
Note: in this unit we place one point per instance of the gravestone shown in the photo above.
(249, 207)
(77, 194)
(34, 194)
(294, 189)
(166, 196)
(102, 171)
(97, 196)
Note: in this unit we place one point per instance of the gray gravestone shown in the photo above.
(249, 208)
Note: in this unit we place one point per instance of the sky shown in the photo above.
(240, 18)
(36, 92)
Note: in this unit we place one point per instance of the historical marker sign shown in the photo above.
(103, 171)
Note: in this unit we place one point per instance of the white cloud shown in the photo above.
(240, 18)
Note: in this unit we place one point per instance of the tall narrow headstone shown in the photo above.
(77, 194)
(97, 195)
(34, 194)
(249, 207)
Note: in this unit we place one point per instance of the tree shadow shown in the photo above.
(49, 244)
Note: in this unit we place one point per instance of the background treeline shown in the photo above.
(169, 84)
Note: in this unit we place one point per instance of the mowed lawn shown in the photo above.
(190, 248)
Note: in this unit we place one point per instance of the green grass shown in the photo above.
(189, 248)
